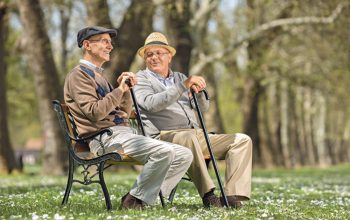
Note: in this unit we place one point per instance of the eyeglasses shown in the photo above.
(157, 53)
(104, 41)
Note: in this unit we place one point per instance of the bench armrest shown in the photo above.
(92, 135)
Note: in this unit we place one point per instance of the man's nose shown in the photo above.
(110, 46)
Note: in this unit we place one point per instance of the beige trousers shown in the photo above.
(235, 149)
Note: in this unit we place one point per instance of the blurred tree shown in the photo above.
(186, 28)
(177, 17)
(39, 54)
(98, 13)
(253, 88)
(261, 29)
(136, 25)
(8, 161)
(65, 11)
(298, 139)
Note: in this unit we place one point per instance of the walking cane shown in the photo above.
(137, 109)
(194, 95)
(139, 120)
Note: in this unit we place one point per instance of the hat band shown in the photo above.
(157, 42)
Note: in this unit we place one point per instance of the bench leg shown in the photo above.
(161, 199)
(172, 194)
(69, 181)
(104, 187)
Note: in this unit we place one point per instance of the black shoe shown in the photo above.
(131, 202)
(233, 202)
(211, 201)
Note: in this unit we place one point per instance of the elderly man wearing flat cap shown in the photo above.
(95, 105)
(165, 101)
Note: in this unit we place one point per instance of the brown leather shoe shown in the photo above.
(131, 202)
(211, 200)
(233, 202)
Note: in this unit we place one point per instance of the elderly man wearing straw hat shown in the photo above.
(95, 105)
(165, 101)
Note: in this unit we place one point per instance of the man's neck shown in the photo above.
(91, 65)
(164, 74)
(93, 61)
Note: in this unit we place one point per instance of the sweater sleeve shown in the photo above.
(126, 104)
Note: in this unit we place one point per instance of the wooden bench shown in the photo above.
(80, 155)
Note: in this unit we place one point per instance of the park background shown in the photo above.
(277, 70)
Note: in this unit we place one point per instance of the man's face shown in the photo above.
(157, 59)
(100, 47)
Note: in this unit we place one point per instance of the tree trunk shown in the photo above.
(296, 150)
(65, 14)
(137, 24)
(337, 145)
(344, 155)
(302, 135)
(274, 99)
(252, 92)
(41, 63)
(98, 13)
(181, 32)
(178, 17)
(213, 115)
(308, 128)
(270, 121)
(8, 161)
(285, 124)
(319, 130)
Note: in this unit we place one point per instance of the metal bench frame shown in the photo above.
(80, 156)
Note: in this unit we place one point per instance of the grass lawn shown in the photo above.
(303, 193)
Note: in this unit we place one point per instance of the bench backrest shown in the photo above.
(69, 128)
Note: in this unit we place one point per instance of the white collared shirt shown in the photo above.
(167, 82)
(91, 65)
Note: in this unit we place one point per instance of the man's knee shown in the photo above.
(187, 155)
(243, 138)
(243, 142)
(167, 153)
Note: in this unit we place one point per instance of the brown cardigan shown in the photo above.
(90, 110)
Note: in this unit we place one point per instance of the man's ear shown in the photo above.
(170, 57)
(86, 44)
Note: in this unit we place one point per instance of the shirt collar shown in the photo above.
(171, 74)
(91, 65)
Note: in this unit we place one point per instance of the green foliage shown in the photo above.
(277, 194)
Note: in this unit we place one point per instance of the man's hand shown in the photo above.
(124, 76)
(196, 83)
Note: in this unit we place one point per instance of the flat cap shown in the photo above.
(87, 32)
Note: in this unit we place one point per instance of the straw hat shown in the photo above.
(156, 39)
